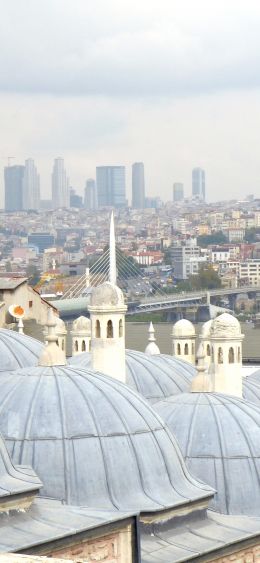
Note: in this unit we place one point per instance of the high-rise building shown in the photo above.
(138, 186)
(198, 183)
(60, 185)
(90, 195)
(31, 186)
(111, 186)
(13, 176)
(178, 191)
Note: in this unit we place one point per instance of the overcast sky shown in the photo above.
(172, 83)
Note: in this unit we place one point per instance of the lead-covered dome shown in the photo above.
(81, 324)
(93, 441)
(107, 294)
(251, 389)
(183, 328)
(18, 350)
(154, 377)
(219, 437)
(225, 326)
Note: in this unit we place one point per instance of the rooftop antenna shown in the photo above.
(112, 251)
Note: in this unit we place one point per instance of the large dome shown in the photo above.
(219, 437)
(154, 377)
(183, 328)
(251, 389)
(93, 441)
(17, 350)
(225, 326)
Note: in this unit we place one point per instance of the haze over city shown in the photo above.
(172, 85)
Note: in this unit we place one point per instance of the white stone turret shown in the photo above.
(60, 331)
(201, 382)
(226, 355)
(204, 339)
(151, 348)
(183, 340)
(107, 313)
(81, 335)
(52, 354)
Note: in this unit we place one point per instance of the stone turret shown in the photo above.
(52, 354)
(107, 313)
(81, 335)
(226, 355)
(183, 340)
(204, 339)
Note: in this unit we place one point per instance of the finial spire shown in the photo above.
(52, 355)
(152, 349)
(201, 382)
(112, 251)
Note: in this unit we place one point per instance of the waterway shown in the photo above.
(137, 337)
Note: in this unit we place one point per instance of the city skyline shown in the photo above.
(158, 84)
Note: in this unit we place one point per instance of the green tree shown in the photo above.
(216, 238)
(207, 278)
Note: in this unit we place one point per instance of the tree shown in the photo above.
(216, 238)
(207, 278)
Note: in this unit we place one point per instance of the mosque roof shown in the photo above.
(251, 389)
(81, 324)
(154, 377)
(219, 437)
(93, 441)
(18, 350)
(183, 328)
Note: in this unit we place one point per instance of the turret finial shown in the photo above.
(52, 355)
(152, 349)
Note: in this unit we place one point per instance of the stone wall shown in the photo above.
(249, 555)
(112, 548)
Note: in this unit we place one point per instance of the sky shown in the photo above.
(172, 83)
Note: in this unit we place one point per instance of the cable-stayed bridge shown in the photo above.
(143, 294)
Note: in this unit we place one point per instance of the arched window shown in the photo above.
(238, 354)
(83, 346)
(220, 356)
(212, 354)
(62, 344)
(208, 350)
(76, 346)
(178, 349)
(110, 329)
(231, 356)
(186, 349)
(121, 328)
(97, 329)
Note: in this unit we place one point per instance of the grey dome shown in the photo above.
(93, 441)
(18, 350)
(251, 389)
(154, 377)
(219, 437)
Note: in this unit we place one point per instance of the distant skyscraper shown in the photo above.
(178, 191)
(138, 186)
(60, 185)
(90, 195)
(31, 186)
(198, 183)
(111, 186)
(14, 187)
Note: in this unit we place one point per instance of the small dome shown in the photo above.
(107, 294)
(183, 328)
(82, 324)
(225, 326)
(205, 329)
(154, 377)
(219, 437)
(18, 350)
(152, 349)
(93, 441)
(60, 327)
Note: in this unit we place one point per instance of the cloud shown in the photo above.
(130, 48)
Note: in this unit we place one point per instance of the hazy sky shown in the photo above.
(174, 83)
